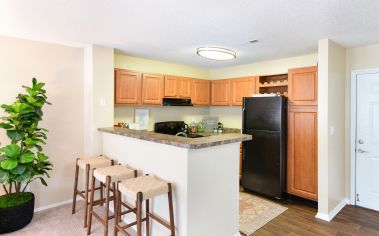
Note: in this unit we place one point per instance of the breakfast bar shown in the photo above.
(203, 172)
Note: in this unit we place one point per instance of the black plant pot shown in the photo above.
(16, 217)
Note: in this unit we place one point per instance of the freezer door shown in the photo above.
(261, 165)
(262, 113)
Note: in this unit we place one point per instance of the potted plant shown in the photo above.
(23, 160)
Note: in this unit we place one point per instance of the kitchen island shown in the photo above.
(204, 173)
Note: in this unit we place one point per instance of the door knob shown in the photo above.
(360, 141)
(362, 151)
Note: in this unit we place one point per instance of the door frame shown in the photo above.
(353, 129)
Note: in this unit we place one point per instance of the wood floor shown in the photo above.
(299, 220)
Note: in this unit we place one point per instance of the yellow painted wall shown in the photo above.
(154, 66)
(271, 67)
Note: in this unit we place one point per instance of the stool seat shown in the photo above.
(149, 186)
(116, 172)
(94, 162)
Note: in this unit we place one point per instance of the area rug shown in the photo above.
(255, 212)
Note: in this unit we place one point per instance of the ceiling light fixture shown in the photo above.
(216, 53)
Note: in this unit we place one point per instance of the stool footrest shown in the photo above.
(99, 218)
(159, 219)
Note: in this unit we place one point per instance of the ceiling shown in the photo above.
(171, 30)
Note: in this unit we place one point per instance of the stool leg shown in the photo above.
(91, 205)
(101, 192)
(114, 197)
(139, 213)
(75, 187)
(107, 191)
(171, 209)
(86, 196)
(118, 212)
(147, 217)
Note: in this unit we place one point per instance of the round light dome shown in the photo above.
(215, 53)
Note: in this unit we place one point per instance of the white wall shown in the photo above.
(61, 67)
(331, 126)
(366, 57)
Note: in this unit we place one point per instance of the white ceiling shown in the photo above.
(171, 30)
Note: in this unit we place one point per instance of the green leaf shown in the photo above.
(19, 169)
(31, 99)
(12, 150)
(43, 181)
(34, 81)
(3, 173)
(9, 164)
(42, 157)
(15, 134)
(24, 176)
(38, 86)
(27, 157)
(6, 126)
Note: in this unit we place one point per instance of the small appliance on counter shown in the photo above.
(178, 128)
(264, 157)
(210, 122)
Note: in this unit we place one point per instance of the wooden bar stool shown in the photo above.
(88, 164)
(140, 189)
(107, 175)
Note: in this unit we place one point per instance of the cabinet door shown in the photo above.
(302, 152)
(127, 87)
(152, 89)
(171, 85)
(185, 87)
(201, 92)
(220, 92)
(302, 86)
(241, 87)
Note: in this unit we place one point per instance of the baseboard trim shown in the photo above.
(328, 217)
(55, 205)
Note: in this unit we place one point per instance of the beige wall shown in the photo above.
(161, 67)
(61, 68)
(270, 67)
(98, 95)
(331, 125)
(366, 57)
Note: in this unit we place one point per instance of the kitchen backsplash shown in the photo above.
(230, 116)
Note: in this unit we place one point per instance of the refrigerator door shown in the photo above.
(261, 165)
(262, 113)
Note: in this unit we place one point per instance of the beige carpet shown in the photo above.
(60, 222)
(256, 212)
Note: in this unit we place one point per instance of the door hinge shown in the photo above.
(357, 199)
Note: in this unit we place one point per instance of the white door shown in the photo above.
(367, 141)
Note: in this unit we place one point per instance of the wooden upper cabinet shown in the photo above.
(177, 86)
(220, 92)
(201, 90)
(152, 89)
(171, 85)
(241, 87)
(302, 152)
(127, 87)
(185, 87)
(302, 86)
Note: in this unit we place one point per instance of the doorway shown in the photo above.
(365, 139)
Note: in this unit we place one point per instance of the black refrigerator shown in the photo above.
(264, 157)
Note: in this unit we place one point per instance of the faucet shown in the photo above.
(181, 134)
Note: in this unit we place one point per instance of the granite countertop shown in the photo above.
(209, 139)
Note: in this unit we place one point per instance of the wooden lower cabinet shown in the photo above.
(302, 152)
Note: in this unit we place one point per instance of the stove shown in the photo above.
(178, 128)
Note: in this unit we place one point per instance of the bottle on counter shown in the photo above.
(200, 127)
(220, 127)
(193, 127)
